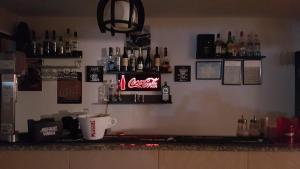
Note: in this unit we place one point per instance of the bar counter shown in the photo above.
(150, 145)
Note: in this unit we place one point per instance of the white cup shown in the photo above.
(93, 126)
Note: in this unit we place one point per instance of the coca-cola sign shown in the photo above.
(140, 82)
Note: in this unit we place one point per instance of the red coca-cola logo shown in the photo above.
(149, 83)
(93, 128)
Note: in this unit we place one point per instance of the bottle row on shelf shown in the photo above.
(66, 45)
(238, 47)
(135, 61)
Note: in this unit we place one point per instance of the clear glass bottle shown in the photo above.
(140, 61)
(33, 44)
(250, 46)
(165, 89)
(110, 60)
(218, 46)
(113, 91)
(132, 61)
(53, 44)
(242, 128)
(254, 127)
(256, 46)
(235, 47)
(68, 46)
(118, 59)
(46, 44)
(230, 45)
(242, 45)
(103, 96)
(60, 46)
(75, 42)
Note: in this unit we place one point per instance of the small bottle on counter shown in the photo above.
(242, 128)
(254, 127)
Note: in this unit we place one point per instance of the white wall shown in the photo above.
(200, 107)
(7, 20)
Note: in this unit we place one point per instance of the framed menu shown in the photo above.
(208, 70)
(252, 72)
(69, 91)
(232, 72)
(94, 73)
(182, 74)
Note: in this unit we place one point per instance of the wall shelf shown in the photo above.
(233, 58)
(142, 73)
(74, 55)
(148, 99)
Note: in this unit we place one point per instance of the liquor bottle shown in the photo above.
(53, 46)
(218, 46)
(256, 46)
(118, 60)
(110, 60)
(166, 62)
(60, 47)
(224, 49)
(140, 61)
(242, 45)
(46, 44)
(75, 42)
(249, 47)
(235, 47)
(229, 45)
(156, 61)
(165, 89)
(33, 44)
(132, 61)
(148, 62)
(67, 39)
(125, 60)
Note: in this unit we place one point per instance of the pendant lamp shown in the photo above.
(120, 16)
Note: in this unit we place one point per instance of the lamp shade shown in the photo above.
(120, 16)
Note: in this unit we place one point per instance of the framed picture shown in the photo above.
(94, 73)
(69, 91)
(208, 70)
(32, 80)
(232, 72)
(182, 73)
(252, 72)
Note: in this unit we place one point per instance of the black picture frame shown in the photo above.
(252, 76)
(182, 73)
(232, 72)
(94, 74)
(208, 70)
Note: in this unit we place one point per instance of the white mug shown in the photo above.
(93, 126)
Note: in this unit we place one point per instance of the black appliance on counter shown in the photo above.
(205, 46)
(12, 64)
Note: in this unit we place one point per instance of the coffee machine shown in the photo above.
(12, 64)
